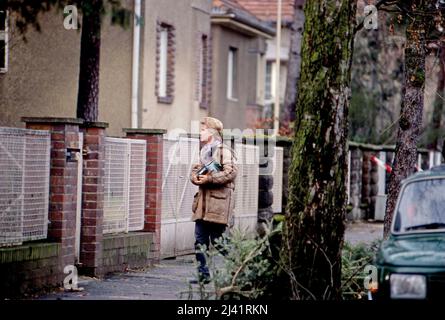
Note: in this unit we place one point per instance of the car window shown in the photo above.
(422, 206)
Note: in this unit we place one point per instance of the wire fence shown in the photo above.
(177, 228)
(24, 185)
(246, 186)
(124, 195)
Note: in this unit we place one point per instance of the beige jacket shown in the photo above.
(214, 202)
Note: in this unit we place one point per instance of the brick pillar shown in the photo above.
(63, 183)
(93, 198)
(153, 183)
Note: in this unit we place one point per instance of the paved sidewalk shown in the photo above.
(165, 281)
(363, 232)
(169, 279)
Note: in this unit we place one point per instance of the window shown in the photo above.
(3, 41)
(232, 74)
(204, 73)
(165, 63)
(270, 77)
(421, 206)
(163, 52)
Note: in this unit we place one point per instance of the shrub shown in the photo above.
(354, 260)
(242, 267)
(249, 266)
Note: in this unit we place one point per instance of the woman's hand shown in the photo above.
(193, 176)
(202, 179)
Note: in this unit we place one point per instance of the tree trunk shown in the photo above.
(294, 62)
(405, 159)
(436, 121)
(88, 94)
(314, 229)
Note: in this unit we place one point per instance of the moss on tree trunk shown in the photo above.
(314, 229)
(405, 159)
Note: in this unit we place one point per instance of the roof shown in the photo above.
(266, 10)
(228, 3)
(435, 172)
(233, 10)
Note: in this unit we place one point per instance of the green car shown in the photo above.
(411, 263)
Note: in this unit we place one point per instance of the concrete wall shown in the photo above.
(233, 112)
(42, 79)
(191, 19)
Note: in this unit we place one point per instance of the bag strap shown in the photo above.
(221, 154)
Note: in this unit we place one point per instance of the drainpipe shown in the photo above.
(277, 74)
(135, 67)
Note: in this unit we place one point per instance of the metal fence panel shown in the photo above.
(36, 200)
(277, 188)
(238, 196)
(189, 154)
(170, 173)
(116, 186)
(246, 187)
(177, 190)
(124, 195)
(137, 185)
(24, 185)
(250, 185)
(177, 234)
(12, 155)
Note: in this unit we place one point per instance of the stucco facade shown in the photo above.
(42, 79)
(234, 113)
(284, 58)
(267, 11)
(190, 19)
(237, 32)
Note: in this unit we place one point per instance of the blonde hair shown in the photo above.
(215, 133)
(214, 126)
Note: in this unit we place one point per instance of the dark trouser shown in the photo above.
(206, 232)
